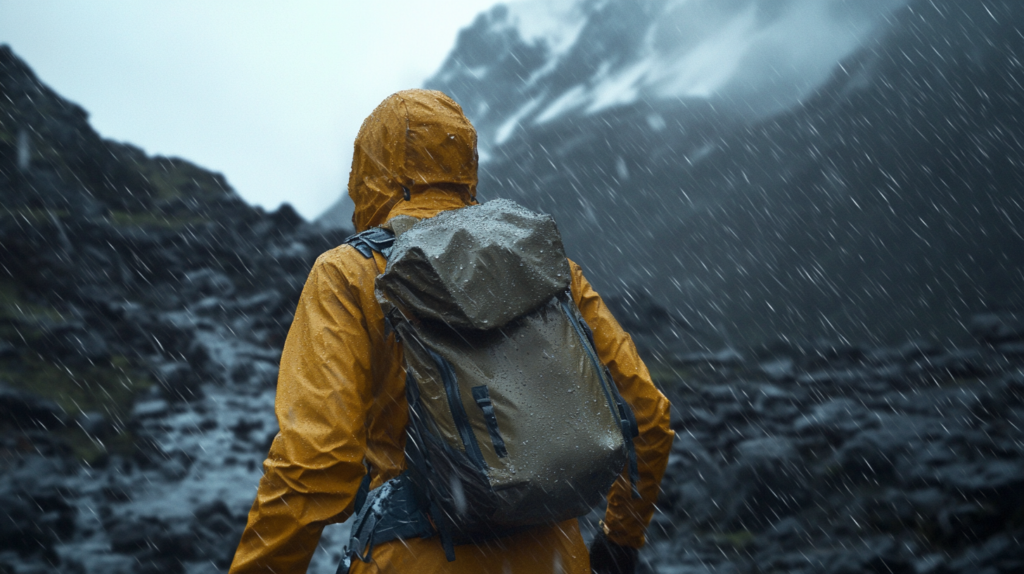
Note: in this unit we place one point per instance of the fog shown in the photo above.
(760, 55)
(757, 56)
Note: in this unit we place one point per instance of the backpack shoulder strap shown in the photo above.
(374, 239)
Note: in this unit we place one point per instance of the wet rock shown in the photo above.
(769, 481)
(831, 353)
(95, 424)
(725, 357)
(158, 546)
(199, 356)
(693, 493)
(117, 490)
(22, 529)
(830, 377)
(206, 282)
(868, 456)
(1010, 389)
(999, 482)
(263, 303)
(929, 564)
(836, 419)
(178, 380)
(35, 514)
(256, 373)
(778, 369)
(1014, 350)
(75, 340)
(701, 416)
(244, 427)
(149, 408)
(918, 349)
(928, 502)
(997, 328)
(775, 403)
(26, 411)
(889, 511)
(968, 522)
(175, 466)
(884, 356)
(218, 532)
(1001, 553)
(214, 307)
(285, 219)
(649, 322)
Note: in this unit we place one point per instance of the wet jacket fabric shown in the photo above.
(341, 401)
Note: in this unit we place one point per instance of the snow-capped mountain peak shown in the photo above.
(531, 62)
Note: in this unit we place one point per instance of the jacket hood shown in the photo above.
(416, 140)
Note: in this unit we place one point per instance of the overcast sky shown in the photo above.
(269, 93)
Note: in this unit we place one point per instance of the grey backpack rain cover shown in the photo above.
(514, 421)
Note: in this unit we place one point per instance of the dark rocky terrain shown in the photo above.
(143, 306)
(831, 458)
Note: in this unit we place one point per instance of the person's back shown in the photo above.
(341, 401)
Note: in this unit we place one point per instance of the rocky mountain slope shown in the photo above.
(143, 306)
(843, 459)
(868, 203)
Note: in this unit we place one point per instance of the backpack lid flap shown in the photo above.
(477, 267)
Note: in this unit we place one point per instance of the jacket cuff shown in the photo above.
(622, 537)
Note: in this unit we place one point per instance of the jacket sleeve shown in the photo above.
(315, 463)
(626, 517)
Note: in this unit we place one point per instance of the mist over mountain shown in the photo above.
(793, 170)
(534, 62)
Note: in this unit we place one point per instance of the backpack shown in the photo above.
(513, 419)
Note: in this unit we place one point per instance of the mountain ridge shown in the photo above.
(880, 208)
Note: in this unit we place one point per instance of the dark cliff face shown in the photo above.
(51, 158)
(143, 307)
(101, 246)
(884, 205)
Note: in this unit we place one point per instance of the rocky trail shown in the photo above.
(806, 459)
(159, 476)
(814, 458)
(833, 458)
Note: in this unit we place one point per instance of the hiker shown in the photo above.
(341, 397)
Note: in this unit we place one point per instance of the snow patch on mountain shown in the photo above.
(570, 100)
(532, 62)
(782, 55)
(703, 71)
(555, 23)
(506, 129)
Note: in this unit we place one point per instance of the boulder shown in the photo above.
(995, 328)
(26, 411)
(837, 419)
(177, 380)
(769, 480)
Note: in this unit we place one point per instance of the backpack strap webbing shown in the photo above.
(390, 512)
(374, 239)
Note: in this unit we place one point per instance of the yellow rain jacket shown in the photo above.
(341, 389)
